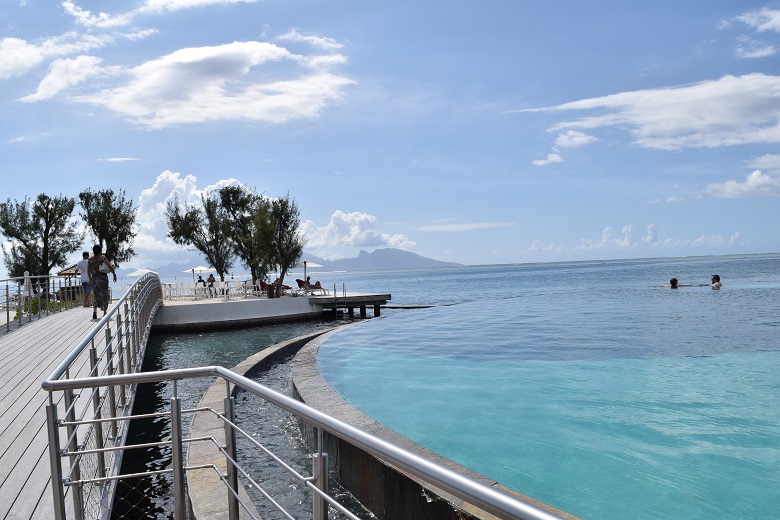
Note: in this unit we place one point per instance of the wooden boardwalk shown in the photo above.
(29, 354)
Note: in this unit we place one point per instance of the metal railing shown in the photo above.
(25, 297)
(90, 408)
(465, 488)
(85, 425)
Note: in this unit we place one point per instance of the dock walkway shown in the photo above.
(29, 354)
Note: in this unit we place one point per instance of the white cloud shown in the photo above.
(652, 235)
(609, 240)
(749, 48)
(729, 111)
(120, 159)
(313, 40)
(457, 228)
(673, 198)
(215, 84)
(765, 19)
(352, 230)
(102, 20)
(573, 139)
(156, 6)
(551, 158)
(65, 73)
(755, 183)
(537, 247)
(19, 56)
(768, 162)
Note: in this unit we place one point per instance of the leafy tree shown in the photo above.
(206, 229)
(41, 232)
(244, 208)
(281, 231)
(111, 218)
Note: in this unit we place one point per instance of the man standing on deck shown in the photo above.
(82, 269)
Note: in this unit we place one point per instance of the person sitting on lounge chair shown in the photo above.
(309, 285)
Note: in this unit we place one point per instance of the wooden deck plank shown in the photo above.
(31, 352)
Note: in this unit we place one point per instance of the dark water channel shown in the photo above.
(151, 497)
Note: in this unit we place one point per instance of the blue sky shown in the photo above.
(473, 132)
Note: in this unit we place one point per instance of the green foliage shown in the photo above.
(244, 208)
(41, 232)
(111, 218)
(281, 233)
(206, 229)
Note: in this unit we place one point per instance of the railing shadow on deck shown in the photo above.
(88, 419)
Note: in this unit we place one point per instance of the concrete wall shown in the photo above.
(208, 314)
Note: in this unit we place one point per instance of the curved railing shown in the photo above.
(25, 297)
(94, 421)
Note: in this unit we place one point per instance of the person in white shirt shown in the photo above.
(82, 268)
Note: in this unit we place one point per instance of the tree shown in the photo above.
(205, 228)
(111, 218)
(41, 232)
(281, 231)
(245, 208)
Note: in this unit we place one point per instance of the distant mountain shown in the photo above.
(380, 259)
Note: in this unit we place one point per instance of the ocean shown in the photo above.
(585, 385)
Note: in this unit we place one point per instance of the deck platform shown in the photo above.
(30, 353)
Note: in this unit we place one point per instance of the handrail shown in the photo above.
(113, 310)
(485, 497)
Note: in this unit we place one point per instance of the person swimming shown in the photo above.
(716, 281)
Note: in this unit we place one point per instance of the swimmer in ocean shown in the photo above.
(716, 281)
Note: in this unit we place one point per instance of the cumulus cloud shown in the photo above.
(18, 56)
(457, 228)
(65, 73)
(651, 236)
(756, 183)
(551, 158)
(573, 139)
(608, 240)
(216, 83)
(537, 247)
(611, 241)
(353, 230)
(728, 111)
(152, 240)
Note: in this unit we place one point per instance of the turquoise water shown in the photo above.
(584, 385)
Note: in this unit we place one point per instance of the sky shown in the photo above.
(497, 132)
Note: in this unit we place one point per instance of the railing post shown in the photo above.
(230, 448)
(72, 447)
(177, 462)
(93, 363)
(7, 308)
(111, 391)
(55, 463)
(319, 469)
